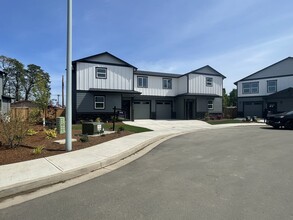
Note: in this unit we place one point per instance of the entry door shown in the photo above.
(189, 109)
(272, 107)
(126, 108)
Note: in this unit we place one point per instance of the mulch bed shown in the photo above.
(25, 151)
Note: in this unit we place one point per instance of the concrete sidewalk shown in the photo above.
(29, 175)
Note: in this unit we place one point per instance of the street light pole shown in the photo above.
(68, 139)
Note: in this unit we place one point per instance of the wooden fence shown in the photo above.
(24, 112)
(230, 112)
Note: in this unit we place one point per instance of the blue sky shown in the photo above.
(235, 37)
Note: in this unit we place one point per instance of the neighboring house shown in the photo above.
(269, 88)
(103, 81)
(4, 100)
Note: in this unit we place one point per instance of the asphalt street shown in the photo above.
(231, 173)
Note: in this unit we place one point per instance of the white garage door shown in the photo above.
(163, 110)
(142, 109)
(252, 109)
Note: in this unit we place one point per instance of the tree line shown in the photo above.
(230, 99)
(22, 82)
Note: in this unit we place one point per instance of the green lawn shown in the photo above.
(121, 125)
(224, 121)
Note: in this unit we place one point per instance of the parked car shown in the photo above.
(284, 119)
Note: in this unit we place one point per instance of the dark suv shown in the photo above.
(284, 119)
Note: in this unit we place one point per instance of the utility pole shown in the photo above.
(68, 140)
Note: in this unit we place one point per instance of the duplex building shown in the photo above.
(269, 88)
(103, 81)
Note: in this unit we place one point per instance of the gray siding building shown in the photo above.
(103, 81)
(268, 89)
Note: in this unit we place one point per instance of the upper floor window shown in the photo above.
(272, 86)
(167, 83)
(209, 81)
(101, 72)
(250, 88)
(142, 82)
(210, 104)
(99, 102)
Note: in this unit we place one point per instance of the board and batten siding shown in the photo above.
(118, 77)
(155, 87)
(182, 85)
(282, 83)
(197, 84)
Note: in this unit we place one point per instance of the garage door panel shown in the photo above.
(252, 109)
(141, 109)
(163, 110)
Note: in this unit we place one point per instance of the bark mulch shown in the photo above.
(25, 151)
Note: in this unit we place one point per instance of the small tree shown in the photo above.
(41, 92)
(233, 97)
(13, 130)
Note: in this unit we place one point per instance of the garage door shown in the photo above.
(163, 110)
(142, 109)
(253, 109)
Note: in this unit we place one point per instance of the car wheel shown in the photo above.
(289, 125)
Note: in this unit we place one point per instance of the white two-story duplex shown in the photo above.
(103, 81)
(269, 88)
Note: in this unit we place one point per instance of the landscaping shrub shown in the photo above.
(38, 150)
(31, 132)
(84, 138)
(51, 133)
(13, 130)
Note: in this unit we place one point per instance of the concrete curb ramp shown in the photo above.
(30, 175)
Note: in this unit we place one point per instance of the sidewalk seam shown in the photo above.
(59, 168)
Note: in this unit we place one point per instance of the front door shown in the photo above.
(272, 107)
(189, 109)
(126, 108)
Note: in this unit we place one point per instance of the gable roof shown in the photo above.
(281, 68)
(150, 73)
(104, 58)
(207, 70)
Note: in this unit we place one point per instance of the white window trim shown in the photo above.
(210, 105)
(275, 86)
(97, 74)
(209, 81)
(103, 102)
(143, 78)
(167, 83)
(250, 88)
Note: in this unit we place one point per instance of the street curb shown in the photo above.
(33, 185)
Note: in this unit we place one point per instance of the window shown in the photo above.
(250, 88)
(99, 102)
(101, 72)
(210, 104)
(272, 86)
(167, 83)
(209, 81)
(142, 82)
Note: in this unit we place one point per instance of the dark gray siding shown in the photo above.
(85, 102)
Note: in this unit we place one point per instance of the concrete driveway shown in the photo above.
(174, 125)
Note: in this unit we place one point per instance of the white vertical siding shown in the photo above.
(182, 85)
(197, 84)
(155, 87)
(118, 77)
(282, 83)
